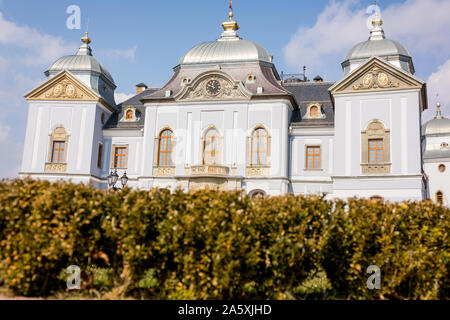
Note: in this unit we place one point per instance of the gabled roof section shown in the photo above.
(65, 87)
(376, 75)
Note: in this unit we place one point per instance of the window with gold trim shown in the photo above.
(313, 158)
(260, 140)
(376, 151)
(120, 157)
(58, 151)
(211, 148)
(165, 148)
(129, 115)
(440, 197)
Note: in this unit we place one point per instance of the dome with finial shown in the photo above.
(378, 46)
(229, 48)
(437, 126)
(87, 69)
(81, 62)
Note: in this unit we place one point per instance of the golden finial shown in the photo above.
(231, 25)
(86, 38)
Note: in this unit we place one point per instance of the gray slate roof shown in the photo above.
(113, 121)
(307, 92)
(303, 92)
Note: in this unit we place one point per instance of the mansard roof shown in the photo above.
(306, 93)
(135, 102)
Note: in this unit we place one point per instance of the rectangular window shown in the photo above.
(313, 158)
(376, 151)
(58, 151)
(120, 157)
(100, 155)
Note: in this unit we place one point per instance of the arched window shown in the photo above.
(129, 115)
(57, 150)
(259, 147)
(211, 148)
(165, 148)
(440, 197)
(314, 112)
(376, 146)
(257, 194)
(58, 145)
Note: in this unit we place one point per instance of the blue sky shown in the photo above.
(141, 41)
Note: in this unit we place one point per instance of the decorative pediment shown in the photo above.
(376, 75)
(63, 87)
(214, 86)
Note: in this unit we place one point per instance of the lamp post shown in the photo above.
(114, 177)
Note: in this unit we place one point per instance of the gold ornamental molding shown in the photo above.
(375, 79)
(213, 85)
(164, 171)
(55, 167)
(63, 87)
(376, 75)
(258, 171)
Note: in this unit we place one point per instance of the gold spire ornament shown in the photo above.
(438, 112)
(86, 38)
(230, 26)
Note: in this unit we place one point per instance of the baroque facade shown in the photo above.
(227, 120)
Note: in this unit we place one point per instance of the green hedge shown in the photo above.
(218, 245)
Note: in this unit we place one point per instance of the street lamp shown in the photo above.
(114, 177)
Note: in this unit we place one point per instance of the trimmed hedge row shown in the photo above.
(219, 245)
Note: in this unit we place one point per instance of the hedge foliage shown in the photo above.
(218, 245)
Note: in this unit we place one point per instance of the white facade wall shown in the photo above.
(399, 111)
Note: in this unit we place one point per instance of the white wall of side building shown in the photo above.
(399, 111)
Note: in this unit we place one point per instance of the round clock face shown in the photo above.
(213, 87)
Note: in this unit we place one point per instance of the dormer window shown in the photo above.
(130, 115)
(444, 145)
(314, 111)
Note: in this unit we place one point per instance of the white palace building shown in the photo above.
(227, 120)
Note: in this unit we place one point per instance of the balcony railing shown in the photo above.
(207, 170)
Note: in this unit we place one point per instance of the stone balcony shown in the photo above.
(209, 171)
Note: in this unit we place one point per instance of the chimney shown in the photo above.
(141, 87)
(318, 79)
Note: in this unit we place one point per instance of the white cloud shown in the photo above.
(439, 83)
(4, 132)
(421, 24)
(121, 97)
(40, 48)
(129, 54)
(10, 159)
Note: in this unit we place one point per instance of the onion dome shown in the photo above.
(378, 46)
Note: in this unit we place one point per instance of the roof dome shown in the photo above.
(438, 126)
(81, 61)
(378, 46)
(228, 48)
(225, 51)
(370, 48)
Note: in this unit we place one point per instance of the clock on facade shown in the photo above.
(213, 87)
